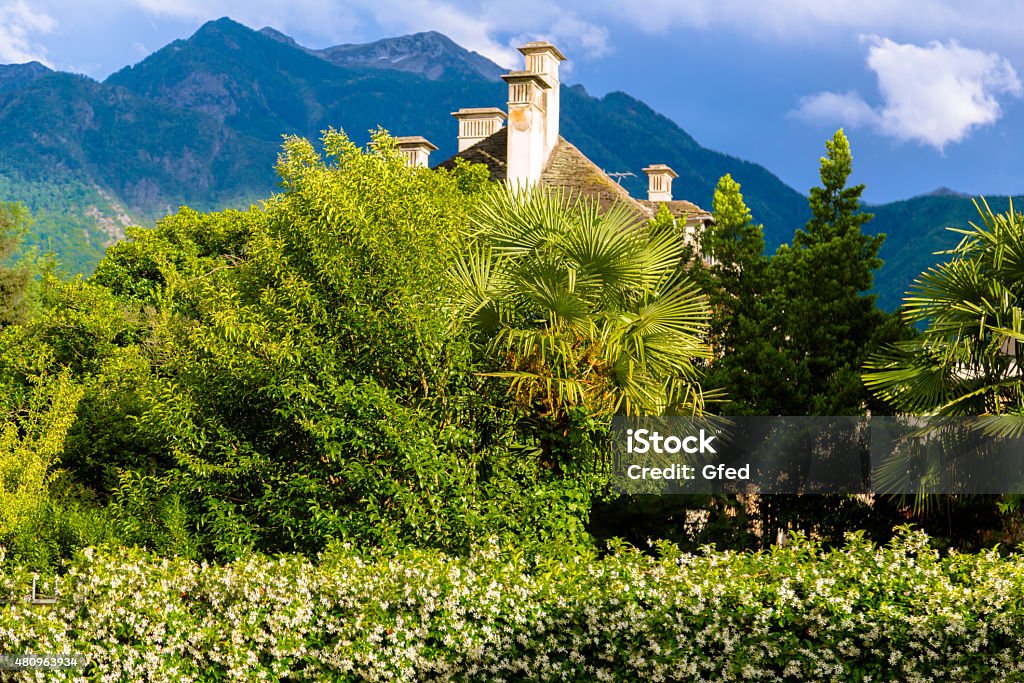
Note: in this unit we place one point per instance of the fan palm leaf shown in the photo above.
(579, 307)
(968, 359)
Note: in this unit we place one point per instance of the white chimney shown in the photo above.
(526, 149)
(659, 182)
(533, 107)
(543, 58)
(477, 124)
(415, 149)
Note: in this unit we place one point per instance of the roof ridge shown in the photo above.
(570, 169)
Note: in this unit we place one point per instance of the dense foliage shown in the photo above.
(33, 424)
(792, 330)
(790, 333)
(863, 612)
(306, 379)
(275, 378)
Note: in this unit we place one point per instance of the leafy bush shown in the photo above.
(83, 330)
(298, 366)
(64, 520)
(899, 612)
(31, 438)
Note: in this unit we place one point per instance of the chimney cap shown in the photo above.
(526, 77)
(535, 46)
(660, 169)
(413, 142)
(482, 112)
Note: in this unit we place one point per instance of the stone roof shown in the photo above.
(491, 152)
(415, 141)
(681, 209)
(567, 168)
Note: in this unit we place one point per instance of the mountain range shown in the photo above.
(199, 122)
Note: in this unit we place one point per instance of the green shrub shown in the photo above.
(67, 519)
(294, 374)
(862, 612)
(32, 430)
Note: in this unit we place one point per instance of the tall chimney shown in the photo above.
(659, 182)
(477, 124)
(533, 107)
(526, 151)
(543, 58)
(415, 149)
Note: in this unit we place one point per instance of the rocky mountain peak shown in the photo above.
(430, 54)
(16, 76)
(271, 32)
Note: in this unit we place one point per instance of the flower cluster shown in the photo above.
(862, 612)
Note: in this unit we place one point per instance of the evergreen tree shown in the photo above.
(815, 325)
(826, 324)
(732, 271)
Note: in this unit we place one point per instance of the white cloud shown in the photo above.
(846, 108)
(939, 93)
(18, 24)
(935, 94)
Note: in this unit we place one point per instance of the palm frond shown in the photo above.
(968, 359)
(583, 305)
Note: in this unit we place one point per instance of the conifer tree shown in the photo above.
(734, 247)
(826, 322)
(732, 272)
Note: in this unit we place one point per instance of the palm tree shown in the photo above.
(579, 308)
(968, 359)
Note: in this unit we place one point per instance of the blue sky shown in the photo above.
(930, 93)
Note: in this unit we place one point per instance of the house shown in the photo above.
(523, 148)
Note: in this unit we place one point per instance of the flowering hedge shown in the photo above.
(863, 612)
